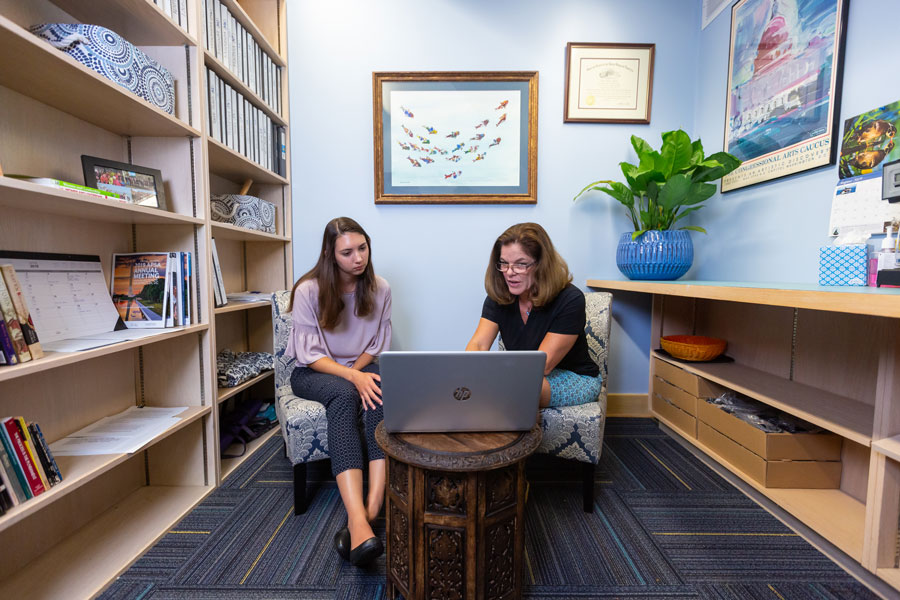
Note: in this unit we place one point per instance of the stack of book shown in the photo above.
(238, 51)
(153, 289)
(18, 337)
(27, 467)
(175, 10)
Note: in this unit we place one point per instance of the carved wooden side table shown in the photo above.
(455, 508)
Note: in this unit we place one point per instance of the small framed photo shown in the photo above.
(608, 83)
(455, 137)
(134, 184)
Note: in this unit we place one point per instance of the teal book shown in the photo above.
(14, 459)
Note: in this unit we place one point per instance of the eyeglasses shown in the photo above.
(517, 268)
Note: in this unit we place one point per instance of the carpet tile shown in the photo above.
(664, 526)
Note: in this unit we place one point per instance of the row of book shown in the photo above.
(153, 289)
(175, 10)
(27, 466)
(18, 337)
(228, 41)
(219, 296)
(244, 127)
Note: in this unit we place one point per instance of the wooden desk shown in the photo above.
(455, 507)
(829, 355)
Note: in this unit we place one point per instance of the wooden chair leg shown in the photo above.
(300, 499)
(587, 483)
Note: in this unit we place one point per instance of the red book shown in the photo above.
(23, 456)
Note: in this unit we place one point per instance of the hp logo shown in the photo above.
(462, 393)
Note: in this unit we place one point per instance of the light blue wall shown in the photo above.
(772, 231)
(435, 256)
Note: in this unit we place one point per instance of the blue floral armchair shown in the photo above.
(576, 432)
(303, 423)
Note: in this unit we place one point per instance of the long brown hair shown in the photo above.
(551, 273)
(331, 303)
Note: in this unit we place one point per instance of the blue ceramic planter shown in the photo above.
(664, 255)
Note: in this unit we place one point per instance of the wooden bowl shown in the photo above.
(692, 347)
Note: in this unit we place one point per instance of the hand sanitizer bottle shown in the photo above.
(887, 258)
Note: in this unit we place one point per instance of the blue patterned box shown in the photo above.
(248, 212)
(105, 52)
(844, 265)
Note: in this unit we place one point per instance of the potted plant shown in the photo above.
(661, 190)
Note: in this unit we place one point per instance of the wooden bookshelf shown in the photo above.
(234, 81)
(74, 539)
(830, 356)
(226, 393)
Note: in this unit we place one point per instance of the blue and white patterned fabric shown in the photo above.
(844, 265)
(107, 53)
(576, 432)
(303, 422)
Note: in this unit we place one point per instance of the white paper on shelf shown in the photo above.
(98, 340)
(125, 432)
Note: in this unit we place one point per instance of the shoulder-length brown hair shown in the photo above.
(551, 273)
(325, 272)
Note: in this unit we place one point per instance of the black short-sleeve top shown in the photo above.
(564, 315)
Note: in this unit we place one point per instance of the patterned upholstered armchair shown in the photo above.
(576, 432)
(303, 423)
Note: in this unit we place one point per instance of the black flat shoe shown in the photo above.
(342, 543)
(366, 552)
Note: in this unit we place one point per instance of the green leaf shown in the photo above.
(686, 212)
(678, 145)
(641, 147)
(620, 192)
(638, 234)
(693, 228)
(675, 191)
(698, 192)
(591, 186)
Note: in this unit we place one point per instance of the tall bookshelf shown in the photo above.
(74, 539)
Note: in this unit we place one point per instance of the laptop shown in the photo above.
(461, 391)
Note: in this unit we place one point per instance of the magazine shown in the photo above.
(139, 288)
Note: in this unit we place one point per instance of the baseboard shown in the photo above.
(628, 405)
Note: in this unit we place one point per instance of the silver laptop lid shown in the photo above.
(461, 391)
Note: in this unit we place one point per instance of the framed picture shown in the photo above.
(455, 137)
(135, 184)
(608, 83)
(784, 87)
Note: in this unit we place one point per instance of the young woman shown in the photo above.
(341, 314)
(533, 305)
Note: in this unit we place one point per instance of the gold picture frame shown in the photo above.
(455, 137)
(608, 83)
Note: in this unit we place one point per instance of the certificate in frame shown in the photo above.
(608, 83)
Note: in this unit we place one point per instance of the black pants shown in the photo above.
(343, 408)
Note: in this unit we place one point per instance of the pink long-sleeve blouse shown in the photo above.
(351, 337)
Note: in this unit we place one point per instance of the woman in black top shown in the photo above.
(533, 305)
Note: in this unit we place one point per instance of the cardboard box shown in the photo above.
(844, 265)
(772, 473)
(692, 384)
(674, 416)
(771, 446)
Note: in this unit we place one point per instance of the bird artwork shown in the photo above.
(407, 113)
(502, 105)
(496, 142)
(502, 118)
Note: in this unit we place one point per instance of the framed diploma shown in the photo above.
(608, 83)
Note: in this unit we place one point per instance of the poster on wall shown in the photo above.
(455, 137)
(784, 81)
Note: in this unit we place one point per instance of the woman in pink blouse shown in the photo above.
(341, 314)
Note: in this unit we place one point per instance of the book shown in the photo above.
(19, 471)
(6, 345)
(25, 321)
(10, 479)
(51, 469)
(13, 328)
(68, 185)
(139, 288)
(11, 428)
(186, 286)
(174, 306)
(32, 452)
(219, 290)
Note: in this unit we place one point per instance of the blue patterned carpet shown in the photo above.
(664, 526)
